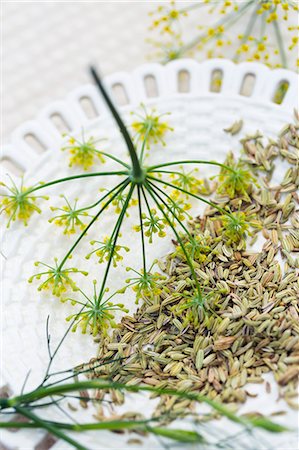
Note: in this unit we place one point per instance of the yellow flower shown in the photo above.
(237, 182)
(187, 181)
(69, 218)
(150, 127)
(83, 153)
(272, 17)
(58, 279)
(146, 284)
(96, 315)
(18, 203)
(108, 250)
(152, 224)
(261, 47)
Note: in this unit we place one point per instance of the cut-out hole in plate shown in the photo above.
(183, 81)
(60, 123)
(88, 107)
(8, 165)
(247, 85)
(151, 87)
(280, 92)
(35, 143)
(216, 80)
(120, 94)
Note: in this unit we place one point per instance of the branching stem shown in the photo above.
(75, 177)
(115, 235)
(153, 194)
(121, 188)
(191, 161)
(223, 211)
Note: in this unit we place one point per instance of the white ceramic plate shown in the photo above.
(198, 117)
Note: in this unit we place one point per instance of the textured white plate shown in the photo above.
(198, 117)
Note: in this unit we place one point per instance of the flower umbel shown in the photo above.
(236, 226)
(108, 251)
(18, 203)
(149, 126)
(178, 207)
(238, 182)
(58, 279)
(152, 224)
(188, 181)
(83, 153)
(69, 217)
(146, 284)
(96, 313)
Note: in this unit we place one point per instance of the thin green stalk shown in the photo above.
(74, 177)
(81, 372)
(113, 425)
(137, 171)
(125, 183)
(49, 427)
(279, 38)
(173, 202)
(263, 25)
(198, 197)
(153, 194)
(93, 205)
(116, 233)
(191, 161)
(52, 355)
(113, 158)
(144, 144)
(141, 230)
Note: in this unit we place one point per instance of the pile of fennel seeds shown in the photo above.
(253, 324)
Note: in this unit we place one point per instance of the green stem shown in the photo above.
(113, 425)
(125, 183)
(198, 197)
(116, 234)
(49, 427)
(141, 230)
(190, 264)
(113, 158)
(280, 44)
(144, 144)
(137, 171)
(173, 202)
(93, 205)
(191, 161)
(74, 177)
(44, 392)
(138, 426)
